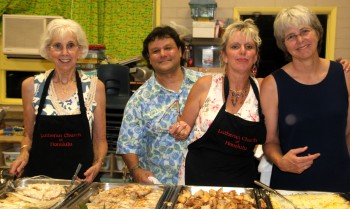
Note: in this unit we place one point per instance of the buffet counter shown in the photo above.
(56, 194)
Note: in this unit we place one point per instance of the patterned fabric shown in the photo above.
(211, 107)
(148, 115)
(53, 106)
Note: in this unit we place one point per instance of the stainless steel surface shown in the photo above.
(11, 186)
(94, 189)
(73, 193)
(41, 179)
(275, 192)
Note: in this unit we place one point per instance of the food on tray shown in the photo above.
(130, 196)
(311, 200)
(216, 199)
(38, 195)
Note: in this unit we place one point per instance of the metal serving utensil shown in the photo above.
(275, 192)
(75, 176)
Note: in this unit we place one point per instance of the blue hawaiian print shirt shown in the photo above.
(148, 115)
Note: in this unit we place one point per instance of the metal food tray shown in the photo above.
(266, 194)
(194, 189)
(42, 180)
(96, 187)
(22, 182)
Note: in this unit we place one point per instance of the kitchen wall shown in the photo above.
(179, 12)
(120, 25)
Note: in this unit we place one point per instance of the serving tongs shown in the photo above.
(71, 194)
(276, 193)
(75, 176)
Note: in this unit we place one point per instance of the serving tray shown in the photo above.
(344, 197)
(96, 187)
(193, 189)
(11, 187)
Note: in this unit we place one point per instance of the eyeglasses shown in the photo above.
(157, 126)
(302, 33)
(58, 47)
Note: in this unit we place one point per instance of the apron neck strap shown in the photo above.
(44, 93)
(80, 93)
(46, 87)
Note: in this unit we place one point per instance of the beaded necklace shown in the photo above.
(236, 95)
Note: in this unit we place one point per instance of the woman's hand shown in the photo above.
(92, 172)
(180, 130)
(290, 162)
(18, 165)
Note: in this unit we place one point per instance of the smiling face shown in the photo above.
(64, 51)
(301, 42)
(164, 55)
(240, 53)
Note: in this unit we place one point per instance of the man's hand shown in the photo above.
(345, 63)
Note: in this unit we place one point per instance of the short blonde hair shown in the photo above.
(61, 27)
(295, 16)
(248, 28)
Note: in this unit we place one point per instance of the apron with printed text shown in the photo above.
(60, 143)
(224, 155)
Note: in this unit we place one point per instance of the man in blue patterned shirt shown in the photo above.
(144, 142)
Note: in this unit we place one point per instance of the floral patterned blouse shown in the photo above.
(54, 106)
(211, 107)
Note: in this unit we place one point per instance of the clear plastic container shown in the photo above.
(10, 155)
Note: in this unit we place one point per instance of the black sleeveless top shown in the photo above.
(314, 116)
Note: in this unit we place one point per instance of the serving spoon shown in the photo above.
(276, 193)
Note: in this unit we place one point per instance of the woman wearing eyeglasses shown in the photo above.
(64, 111)
(306, 105)
(225, 114)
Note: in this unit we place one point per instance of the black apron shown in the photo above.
(224, 155)
(60, 143)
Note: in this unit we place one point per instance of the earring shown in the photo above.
(254, 71)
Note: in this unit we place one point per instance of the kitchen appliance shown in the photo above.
(141, 73)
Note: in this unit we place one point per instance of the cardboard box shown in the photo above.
(203, 33)
(202, 29)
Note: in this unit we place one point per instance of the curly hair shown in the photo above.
(162, 32)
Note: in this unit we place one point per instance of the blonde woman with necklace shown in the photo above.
(64, 111)
(224, 111)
